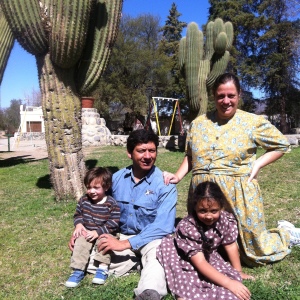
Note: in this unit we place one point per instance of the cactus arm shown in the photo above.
(99, 44)
(70, 25)
(220, 63)
(200, 73)
(24, 19)
(6, 43)
(229, 33)
(204, 69)
(209, 44)
(194, 40)
(181, 53)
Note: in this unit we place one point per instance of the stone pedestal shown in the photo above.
(94, 130)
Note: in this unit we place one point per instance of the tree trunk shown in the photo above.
(283, 123)
(62, 115)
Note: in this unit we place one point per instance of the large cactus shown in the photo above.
(202, 61)
(72, 42)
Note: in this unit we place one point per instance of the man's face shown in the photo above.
(143, 157)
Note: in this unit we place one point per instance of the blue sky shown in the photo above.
(20, 76)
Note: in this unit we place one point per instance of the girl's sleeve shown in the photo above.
(269, 137)
(188, 238)
(229, 228)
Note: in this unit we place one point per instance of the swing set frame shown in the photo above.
(154, 106)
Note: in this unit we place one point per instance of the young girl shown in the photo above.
(194, 268)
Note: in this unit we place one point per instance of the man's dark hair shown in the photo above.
(103, 175)
(141, 136)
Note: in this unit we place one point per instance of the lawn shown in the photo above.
(35, 229)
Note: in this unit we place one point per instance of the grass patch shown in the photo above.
(34, 261)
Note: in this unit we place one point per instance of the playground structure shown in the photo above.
(153, 106)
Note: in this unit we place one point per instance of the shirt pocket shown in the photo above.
(146, 212)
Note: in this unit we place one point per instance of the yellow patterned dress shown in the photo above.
(225, 154)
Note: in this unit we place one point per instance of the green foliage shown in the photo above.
(135, 65)
(265, 52)
(10, 117)
(169, 46)
(34, 261)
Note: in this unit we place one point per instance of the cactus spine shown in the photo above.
(201, 63)
(72, 42)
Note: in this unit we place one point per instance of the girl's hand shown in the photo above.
(170, 178)
(91, 235)
(246, 276)
(239, 290)
(79, 231)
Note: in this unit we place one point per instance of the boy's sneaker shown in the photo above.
(100, 276)
(75, 278)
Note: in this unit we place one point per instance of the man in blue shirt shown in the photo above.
(148, 210)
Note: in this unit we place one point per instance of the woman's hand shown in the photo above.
(254, 172)
(170, 178)
(265, 159)
(239, 290)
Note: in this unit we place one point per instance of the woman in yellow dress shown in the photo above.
(221, 147)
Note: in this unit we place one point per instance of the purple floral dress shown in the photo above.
(175, 252)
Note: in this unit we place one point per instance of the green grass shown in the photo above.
(35, 230)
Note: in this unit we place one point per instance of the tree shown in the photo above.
(72, 42)
(135, 65)
(266, 55)
(10, 117)
(34, 98)
(169, 46)
(277, 57)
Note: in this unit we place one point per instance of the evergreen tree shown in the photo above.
(266, 56)
(277, 57)
(134, 66)
(172, 34)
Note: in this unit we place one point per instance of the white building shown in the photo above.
(32, 119)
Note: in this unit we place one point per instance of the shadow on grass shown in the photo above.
(44, 182)
(16, 160)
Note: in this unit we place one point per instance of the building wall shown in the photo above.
(30, 117)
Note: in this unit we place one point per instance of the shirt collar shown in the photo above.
(148, 178)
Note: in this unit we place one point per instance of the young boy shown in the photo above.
(95, 214)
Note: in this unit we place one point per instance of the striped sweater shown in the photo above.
(104, 218)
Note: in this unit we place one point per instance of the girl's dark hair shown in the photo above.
(224, 78)
(101, 174)
(206, 190)
(141, 136)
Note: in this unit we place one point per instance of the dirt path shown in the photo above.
(25, 149)
(29, 150)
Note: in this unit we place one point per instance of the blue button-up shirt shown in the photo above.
(148, 208)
